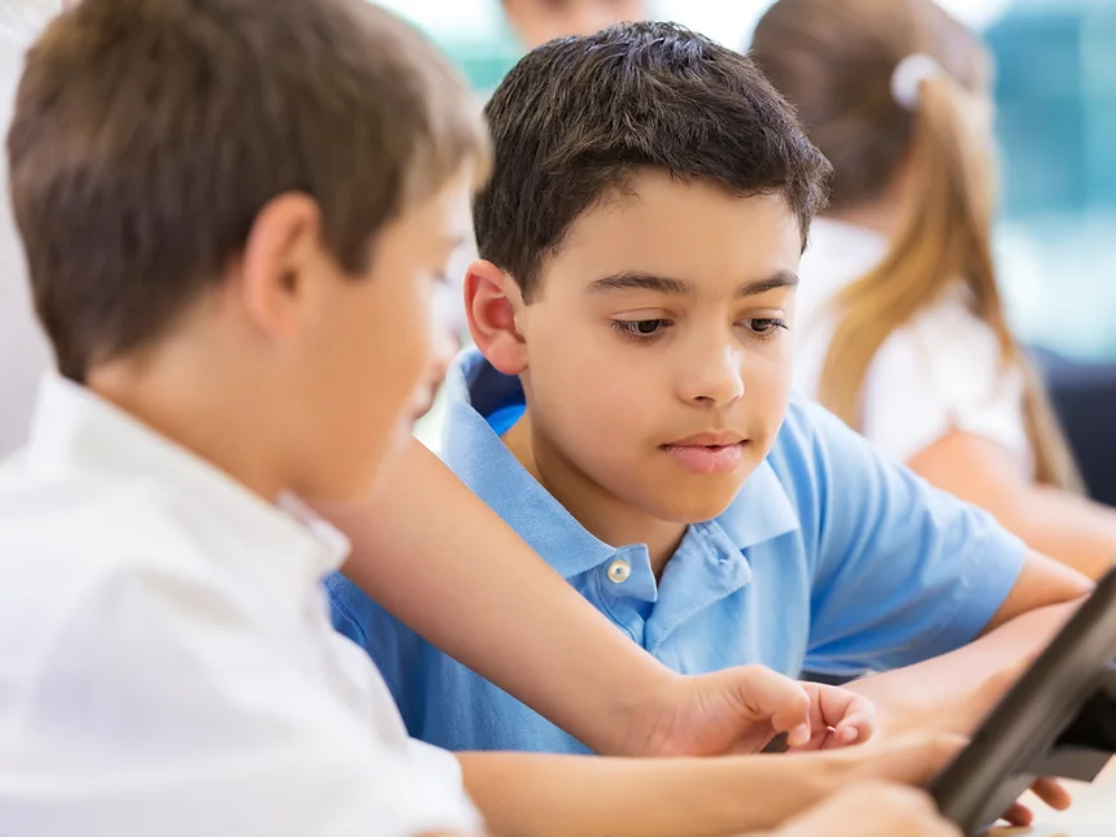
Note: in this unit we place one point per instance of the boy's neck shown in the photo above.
(601, 513)
(198, 405)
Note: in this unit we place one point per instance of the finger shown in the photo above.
(830, 739)
(821, 740)
(839, 708)
(800, 737)
(822, 718)
(849, 734)
(1052, 793)
(1019, 815)
(768, 695)
(856, 728)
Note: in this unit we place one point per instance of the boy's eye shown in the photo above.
(765, 326)
(640, 329)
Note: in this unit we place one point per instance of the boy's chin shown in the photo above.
(705, 498)
(697, 507)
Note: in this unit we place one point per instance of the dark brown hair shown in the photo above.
(578, 115)
(834, 60)
(149, 134)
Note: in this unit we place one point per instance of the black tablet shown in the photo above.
(1058, 720)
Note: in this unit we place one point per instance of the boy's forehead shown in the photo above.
(653, 221)
(646, 195)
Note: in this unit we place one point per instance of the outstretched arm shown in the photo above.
(432, 553)
(953, 692)
(1072, 529)
(542, 794)
(437, 557)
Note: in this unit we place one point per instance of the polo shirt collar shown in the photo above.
(474, 390)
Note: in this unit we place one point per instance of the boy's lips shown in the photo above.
(709, 438)
(708, 453)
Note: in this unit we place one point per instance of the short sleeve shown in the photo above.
(902, 572)
(147, 718)
(397, 651)
(943, 372)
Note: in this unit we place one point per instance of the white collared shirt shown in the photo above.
(167, 664)
(940, 372)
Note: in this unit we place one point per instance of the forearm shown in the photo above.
(1072, 529)
(438, 558)
(537, 794)
(953, 693)
(1057, 523)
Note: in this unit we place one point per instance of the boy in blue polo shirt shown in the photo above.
(628, 411)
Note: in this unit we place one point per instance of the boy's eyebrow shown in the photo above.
(638, 280)
(782, 278)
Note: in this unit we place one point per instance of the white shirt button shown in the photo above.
(619, 571)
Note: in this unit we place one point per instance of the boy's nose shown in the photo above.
(714, 379)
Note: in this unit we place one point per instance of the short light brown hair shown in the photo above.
(149, 134)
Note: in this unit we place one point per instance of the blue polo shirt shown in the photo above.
(831, 559)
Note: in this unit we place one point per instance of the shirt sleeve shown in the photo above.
(943, 372)
(145, 718)
(903, 572)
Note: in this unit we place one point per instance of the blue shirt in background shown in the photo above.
(831, 559)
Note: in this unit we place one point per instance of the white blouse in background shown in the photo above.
(24, 354)
(940, 372)
(167, 663)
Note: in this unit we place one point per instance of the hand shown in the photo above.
(837, 718)
(740, 710)
(1050, 791)
(872, 809)
(913, 760)
(925, 698)
(916, 759)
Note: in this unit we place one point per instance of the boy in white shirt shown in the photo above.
(234, 214)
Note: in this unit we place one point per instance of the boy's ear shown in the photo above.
(492, 304)
(282, 251)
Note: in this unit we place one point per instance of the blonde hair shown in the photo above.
(834, 59)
